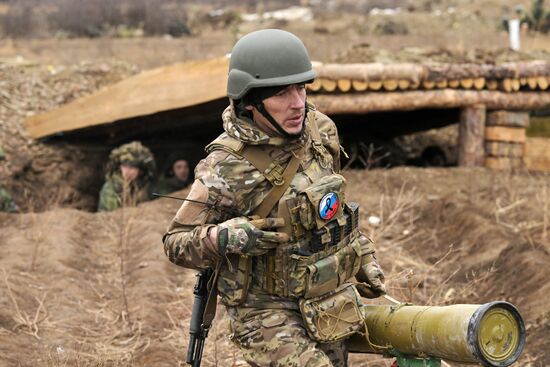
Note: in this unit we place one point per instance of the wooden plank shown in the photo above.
(508, 118)
(536, 154)
(504, 149)
(504, 133)
(170, 87)
(471, 135)
(504, 163)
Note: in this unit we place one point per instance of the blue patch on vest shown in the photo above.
(328, 205)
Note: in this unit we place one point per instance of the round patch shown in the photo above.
(328, 206)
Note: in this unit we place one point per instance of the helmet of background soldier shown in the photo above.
(267, 58)
(133, 154)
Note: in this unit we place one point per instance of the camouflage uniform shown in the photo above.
(288, 293)
(6, 202)
(266, 327)
(116, 192)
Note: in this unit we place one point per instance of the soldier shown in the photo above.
(130, 171)
(6, 202)
(286, 279)
(176, 177)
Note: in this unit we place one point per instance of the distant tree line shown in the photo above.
(94, 18)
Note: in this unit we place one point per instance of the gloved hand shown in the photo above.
(370, 273)
(375, 277)
(246, 237)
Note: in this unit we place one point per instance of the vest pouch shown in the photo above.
(334, 270)
(334, 316)
(317, 274)
(234, 279)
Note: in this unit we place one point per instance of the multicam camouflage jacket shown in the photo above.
(114, 194)
(6, 202)
(235, 187)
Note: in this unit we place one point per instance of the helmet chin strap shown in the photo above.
(261, 108)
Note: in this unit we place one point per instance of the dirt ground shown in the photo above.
(83, 289)
(87, 289)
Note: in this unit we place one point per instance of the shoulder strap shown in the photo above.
(225, 143)
(279, 178)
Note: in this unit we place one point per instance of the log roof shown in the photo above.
(339, 89)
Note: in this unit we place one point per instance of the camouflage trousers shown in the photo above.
(278, 338)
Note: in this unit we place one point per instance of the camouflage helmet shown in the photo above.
(2, 154)
(133, 154)
(267, 58)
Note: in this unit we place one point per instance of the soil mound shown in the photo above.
(48, 175)
(89, 289)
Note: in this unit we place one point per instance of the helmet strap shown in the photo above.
(261, 108)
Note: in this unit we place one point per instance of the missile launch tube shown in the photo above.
(492, 334)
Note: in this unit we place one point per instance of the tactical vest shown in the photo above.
(323, 251)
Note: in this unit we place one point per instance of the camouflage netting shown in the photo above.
(43, 174)
(363, 53)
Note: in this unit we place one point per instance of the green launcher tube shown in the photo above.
(492, 334)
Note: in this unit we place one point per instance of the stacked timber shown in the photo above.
(507, 77)
(505, 136)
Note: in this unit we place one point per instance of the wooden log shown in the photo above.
(344, 85)
(504, 163)
(467, 83)
(492, 84)
(442, 84)
(523, 81)
(315, 86)
(508, 118)
(421, 99)
(542, 82)
(389, 84)
(328, 85)
(479, 83)
(454, 83)
(471, 136)
(370, 71)
(375, 85)
(414, 85)
(403, 84)
(432, 72)
(359, 85)
(506, 85)
(532, 83)
(428, 84)
(505, 133)
(504, 149)
(515, 85)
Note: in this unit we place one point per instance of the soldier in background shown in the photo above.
(278, 160)
(6, 202)
(176, 177)
(130, 171)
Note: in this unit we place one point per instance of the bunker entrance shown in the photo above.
(422, 138)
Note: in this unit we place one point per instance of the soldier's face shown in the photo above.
(129, 173)
(181, 169)
(287, 108)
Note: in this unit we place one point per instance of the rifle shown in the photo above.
(198, 331)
